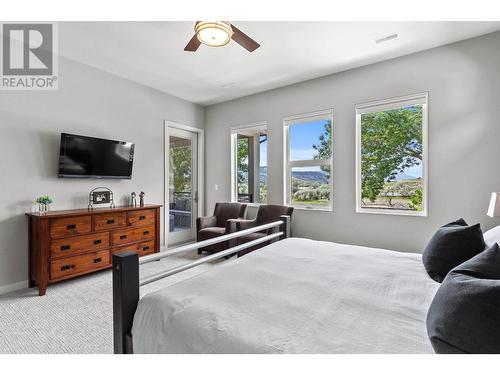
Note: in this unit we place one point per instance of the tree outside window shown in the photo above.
(391, 156)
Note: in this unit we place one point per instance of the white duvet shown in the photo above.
(294, 296)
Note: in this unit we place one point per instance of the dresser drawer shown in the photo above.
(70, 225)
(79, 244)
(141, 217)
(110, 221)
(78, 264)
(125, 236)
(143, 248)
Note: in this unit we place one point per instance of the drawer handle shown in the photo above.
(65, 247)
(71, 226)
(123, 237)
(110, 221)
(97, 260)
(145, 248)
(97, 242)
(142, 217)
(67, 267)
(145, 232)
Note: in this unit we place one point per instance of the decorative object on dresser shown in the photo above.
(141, 201)
(101, 195)
(70, 243)
(133, 200)
(44, 202)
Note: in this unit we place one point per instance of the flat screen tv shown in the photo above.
(88, 157)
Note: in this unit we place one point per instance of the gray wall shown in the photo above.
(463, 81)
(89, 102)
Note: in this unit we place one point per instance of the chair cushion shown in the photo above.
(211, 232)
(451, 245)
(464, 316)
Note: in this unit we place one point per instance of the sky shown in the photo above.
(303, 137)
(415, 171)
(263, 154)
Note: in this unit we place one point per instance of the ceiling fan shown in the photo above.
(218, 34)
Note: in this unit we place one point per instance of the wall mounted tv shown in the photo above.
(87, 157)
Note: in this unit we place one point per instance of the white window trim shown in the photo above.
(382, 105)
(254, 126)
(289, 164)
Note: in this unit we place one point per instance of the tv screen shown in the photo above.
(87, 157)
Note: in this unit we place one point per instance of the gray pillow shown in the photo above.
(451, 245)
(464, 316)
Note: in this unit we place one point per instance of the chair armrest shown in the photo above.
(241, 224)
(205, 222)
(231, 226)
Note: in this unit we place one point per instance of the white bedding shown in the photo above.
(293, 296)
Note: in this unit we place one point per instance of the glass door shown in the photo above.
(182, 183)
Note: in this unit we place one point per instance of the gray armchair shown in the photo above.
(218, 225)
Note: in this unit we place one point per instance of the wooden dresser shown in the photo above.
(66, 244)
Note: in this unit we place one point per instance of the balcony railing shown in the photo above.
(180, 211)
(245, 198)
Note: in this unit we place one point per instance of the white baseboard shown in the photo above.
(12, 287)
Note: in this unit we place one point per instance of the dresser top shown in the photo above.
(85, 211)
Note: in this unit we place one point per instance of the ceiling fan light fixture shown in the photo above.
(214, 33)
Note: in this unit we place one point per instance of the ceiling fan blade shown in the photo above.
(244, 40)
(193, 44)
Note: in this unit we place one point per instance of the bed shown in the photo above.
(293, 296)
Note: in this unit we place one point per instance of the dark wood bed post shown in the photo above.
(126, 292)
(285, 227)
(125, 299)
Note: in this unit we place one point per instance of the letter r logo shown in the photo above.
(27, 49)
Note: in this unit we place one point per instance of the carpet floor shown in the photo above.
(74, 316)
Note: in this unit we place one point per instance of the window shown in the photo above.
(308, 160)
(391, 158)
(249, 163)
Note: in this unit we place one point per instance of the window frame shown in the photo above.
(235, 130)
(384, 105)
(289, 164)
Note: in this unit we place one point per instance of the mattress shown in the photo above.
(293, 296)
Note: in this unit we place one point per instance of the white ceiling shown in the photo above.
(151, 53)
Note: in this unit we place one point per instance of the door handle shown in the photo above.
(196, 196)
